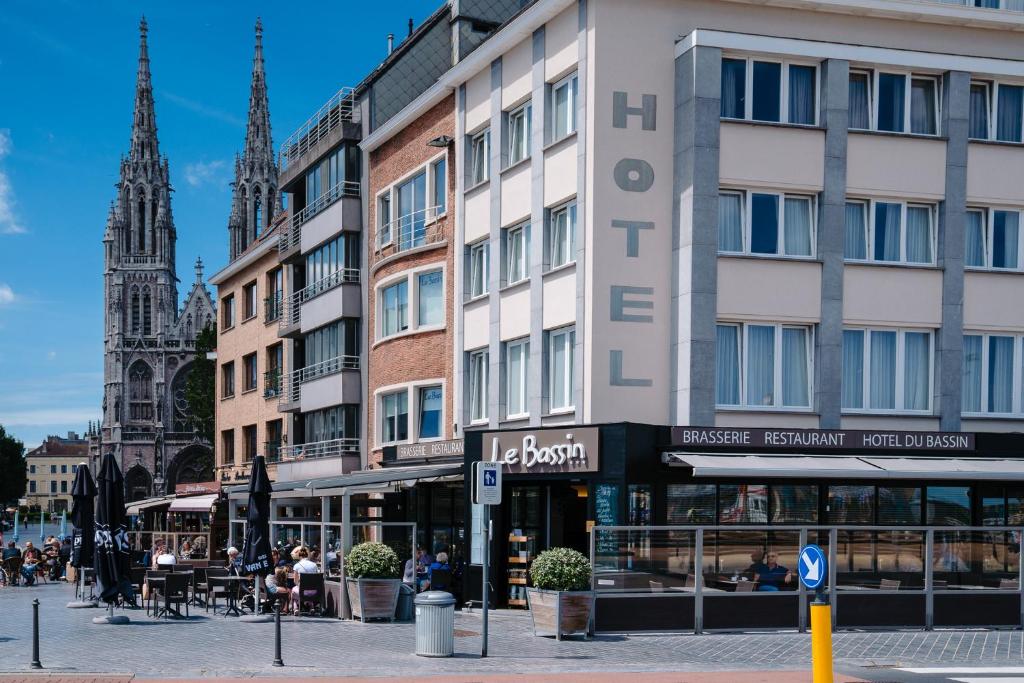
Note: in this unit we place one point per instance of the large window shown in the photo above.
(341, 165)
(431, 298)
(325, 262)
(395, 308)
(427, 293)
(889, 232)
(562, 235)
(339, 338)
(763, 366)
(430, 402)
(519, 128)
(894, 102)
(517, 357)
(887, 370)
(992, 374)
(479, 161)
(765, 223)
(249, 442)
(411, 198)
(563, 107)
(560, 357)
(478, 373)
(992, 239)
(997, 112)
(394, 409)
(517, 253)
(479, 268)
(337, 422)
(761, 90)
(249, 301)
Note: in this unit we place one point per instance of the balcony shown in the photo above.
(337, 119)
(291, 387)
(290, 324)
(320, 459)
(320, 449)
(415, 231)
(290, 242)
(272, 383)
(272, 306)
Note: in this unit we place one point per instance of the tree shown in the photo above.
(200, 386)
(13, 470)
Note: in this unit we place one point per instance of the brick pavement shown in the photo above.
(212, 645)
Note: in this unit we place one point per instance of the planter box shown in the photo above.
(373, 598)
(560, 613)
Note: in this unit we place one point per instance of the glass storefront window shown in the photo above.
(742, 504)
(639, 505)
(794, 504)
(690, 503)
(993, 506)
(949, 505)
(851, 504)
(899, 505)
(1014, 506)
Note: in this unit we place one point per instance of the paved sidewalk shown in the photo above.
(610, 677)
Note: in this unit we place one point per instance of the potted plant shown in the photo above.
(561, 600)
(372, 573)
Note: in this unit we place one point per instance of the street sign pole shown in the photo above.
(486, 492)
(487, 563)
(813, 570)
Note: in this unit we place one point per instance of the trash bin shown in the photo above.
(406, 593)
(435, 624)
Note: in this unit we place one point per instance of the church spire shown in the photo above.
(257, 133)
(144, 142)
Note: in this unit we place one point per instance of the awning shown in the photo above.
(136, 507)
(845, 466)
(356, 482)
(194, 503)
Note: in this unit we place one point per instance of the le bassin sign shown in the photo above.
(544, 451)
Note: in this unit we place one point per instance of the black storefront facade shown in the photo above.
(923, 529)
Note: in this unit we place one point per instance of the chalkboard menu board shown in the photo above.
(606, 513)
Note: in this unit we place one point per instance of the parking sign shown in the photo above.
(487, 483)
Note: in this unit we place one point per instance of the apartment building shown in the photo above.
(51, 471)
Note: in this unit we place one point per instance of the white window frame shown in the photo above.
(990, 90)
(507, 236)
(570, 210)
(480, 144)
(382, 396)
(483, 357)
(743, 346)
(901, 361)
(992, 95)
(381, 289)
(412, 279)
(385, 235)
(572, 83)
(483, 249)
(565, 336)
(748, 99)
(908, 77)
(871, 95)
(411, 390)
(987, 223)
(747, 219)
(524, 374)
(434, 211)
(870, 234)
(1017, 404)
(523, 114)
(417, 393)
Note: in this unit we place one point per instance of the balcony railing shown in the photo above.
(292, 307)
(417, 229)
(339, 109)
(272, 306)
(291, 236)
(140, 260)
(320, 449)
(272, 383)
(291, 389)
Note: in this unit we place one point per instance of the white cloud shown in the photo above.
(205, 172)
(6, 294)
(9, 224)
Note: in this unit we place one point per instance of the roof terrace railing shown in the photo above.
(339, 109)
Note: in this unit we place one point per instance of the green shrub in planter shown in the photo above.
(372, 561)
(561, 569)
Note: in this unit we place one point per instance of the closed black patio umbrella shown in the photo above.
(256, 551)
(112, 550)
(83, 517)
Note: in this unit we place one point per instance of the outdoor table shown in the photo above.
(159, 582)
(232, 607)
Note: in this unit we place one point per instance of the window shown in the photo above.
(430, 400)
(395, 309)
(563, 107)
(949, 506)
(991, 381)
(763, 366)
(439, 185)
(561, 345)
(562, 236)
(875, 232)
(992, 239)
(519, 129)
(31, 469)
(775, 224)
(384, 219)
(394, 410)
(337, 422)
(894, 102)
(227, 307)
(249, 365)
(517, 254)
(333, 340)
(53, 469)
(1009, 112)
(332, 262)
(479, 151)
(63, 469)
(978, 126)
(887, 370)
(275, 365)
(227, 446)
(272, 446)
(275, 295)
(412, 211)
(517, 356)
(249, 300)
(769, 91)
(32, 486)
(996, 112)
(227, 379)
(249, 442)
(53, 487)
(430, 287)
(479, 268)
(478, 372)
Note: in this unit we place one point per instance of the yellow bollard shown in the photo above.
(821, 642)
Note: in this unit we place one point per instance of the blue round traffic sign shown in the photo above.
(812, 565)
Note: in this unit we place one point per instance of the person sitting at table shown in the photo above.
(409, 573)
(302, 566)
(234, 564)
(32, 558)
(51, 559)
(441, 562)
(11, 551)
(277, 589)
(162, 556)
(186, 551)
(774, 576)
(757, 565)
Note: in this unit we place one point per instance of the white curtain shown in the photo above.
(855, 245)
(853, 369)
(1011, 109)
(974, 236)
(760, 365)
(727, 366)
(798, 226)
(1000, 374)
(919, 234)
(972, 374)
(916, 366)
(1005, 229)
(730, 222)
(978, 126)
(801, 94)
(887, 231)
(922, 106)
(794, 367)
(859, 101)
(734, 83)
(882, 393)
(1015, 5)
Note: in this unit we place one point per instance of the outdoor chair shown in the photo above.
(746, 586)
(890, 584)
(138, 577)
(12, 565)
(200, 586)
(165, 568)
(212, 590)
(176, 592)
(311, 593)
(153, 592)
(183, 567)
(440, 579)
(1009, 584)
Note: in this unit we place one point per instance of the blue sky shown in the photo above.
(67, 78)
